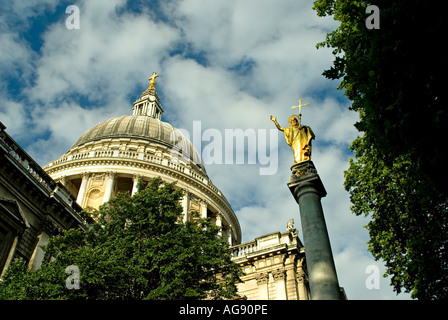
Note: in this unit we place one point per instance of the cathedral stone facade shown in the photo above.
(33, 207)
(274, 267)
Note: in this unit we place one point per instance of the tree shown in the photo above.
(138, 248)
(394, 77)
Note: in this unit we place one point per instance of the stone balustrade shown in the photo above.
(135, 155)
(243, 249)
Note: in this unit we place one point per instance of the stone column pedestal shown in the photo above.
(307, 189)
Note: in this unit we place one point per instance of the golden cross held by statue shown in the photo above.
(300, 108)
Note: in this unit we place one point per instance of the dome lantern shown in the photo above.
(148, 104)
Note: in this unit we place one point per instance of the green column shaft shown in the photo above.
(308, 190)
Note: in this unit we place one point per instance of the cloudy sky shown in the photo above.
(226, 63)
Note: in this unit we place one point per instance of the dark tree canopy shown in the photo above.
(394, 77)
(138, 248)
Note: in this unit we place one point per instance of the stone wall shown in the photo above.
(273, 266)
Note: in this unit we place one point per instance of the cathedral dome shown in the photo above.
(140, 127)
(115, 154)
(129, 126)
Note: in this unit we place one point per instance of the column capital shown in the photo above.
(278, 274)
(301, 275)
(85, 175)
(137, 177)
(262, 278)
(304, 176)
(111, 174)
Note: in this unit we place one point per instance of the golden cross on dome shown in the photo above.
(152, 80)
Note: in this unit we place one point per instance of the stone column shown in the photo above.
(280, 285)
(110, 184)
(10, 257)
(135, 179)
(292, 291)
(307, 189)
(38, 253)
(48, 229)
(186, 205)
(302, 279)
(262, 284)
(229, 233)
(82, 188)
(219, 222)
(203, 209)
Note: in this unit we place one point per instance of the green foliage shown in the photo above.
(138, 248)
(408, 229)
(394, 77)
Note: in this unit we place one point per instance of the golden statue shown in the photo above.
(297, 136)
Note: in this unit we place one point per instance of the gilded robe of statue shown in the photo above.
(298, 137)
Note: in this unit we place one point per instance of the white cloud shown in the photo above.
(15, 66)
(13, 116)
(277, 40)
(107, 53)
(211, 93)
(15, 56)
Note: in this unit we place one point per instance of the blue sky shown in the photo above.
(229, 64)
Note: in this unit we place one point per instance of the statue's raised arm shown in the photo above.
(274, 119)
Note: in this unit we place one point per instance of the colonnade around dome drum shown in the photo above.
(93, 189)
(97, 171)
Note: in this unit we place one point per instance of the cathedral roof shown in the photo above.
(140, 127)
